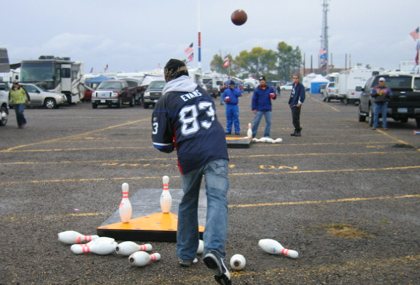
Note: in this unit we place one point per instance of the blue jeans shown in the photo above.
(232, 117)
(215, 233)
(256, 123)
(20, 118)
(380, 108)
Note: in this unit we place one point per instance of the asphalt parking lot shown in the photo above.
(344, 196)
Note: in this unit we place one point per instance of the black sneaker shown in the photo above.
(215, 262)
(187, 263)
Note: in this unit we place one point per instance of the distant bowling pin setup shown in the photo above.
(127, 248)
(249, 132)
(165, 197)
(237, 262)
(141, 258)
(72, 237)
(125, 209)
(274, 247)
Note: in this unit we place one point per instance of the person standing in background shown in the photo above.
(231, 97)
(19, 97)
(297, 97)
(261, 106)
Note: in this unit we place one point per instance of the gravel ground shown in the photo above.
(344, 196)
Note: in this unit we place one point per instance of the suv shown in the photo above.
(113, 92)
(41, 97)
(4, 99)
(153, 93)
(330, 92)
(404, 104)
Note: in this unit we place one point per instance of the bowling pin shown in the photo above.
(128, 247)
(125, 209)
(200, 248)
(141, 258)
(278, 140)
(274, 247)
(103, 247)
(249, 132)
(237, 262)
(165, 197)
(72, 237)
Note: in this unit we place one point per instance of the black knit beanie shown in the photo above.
(174, 68)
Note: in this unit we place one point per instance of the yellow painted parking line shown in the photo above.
(325, 104)
(319, 171)
(356, 199)
(72, 136)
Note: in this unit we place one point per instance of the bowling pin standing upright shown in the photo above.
(125, 206)
(72, 237)
(249, 132)
(165, 197)
(274, 247)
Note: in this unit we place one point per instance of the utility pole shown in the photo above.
(323, 54)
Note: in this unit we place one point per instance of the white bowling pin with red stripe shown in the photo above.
(127, 248)
(72, 237)
(274, 247)
(125, 209)
(142, 258)
(165, 197)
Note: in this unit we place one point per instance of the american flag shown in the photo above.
(190, 57)
(106, 67)
(226, 61)
(91, 70)
(415, 34)
(189, 49)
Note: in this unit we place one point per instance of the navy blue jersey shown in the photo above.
(187, 122)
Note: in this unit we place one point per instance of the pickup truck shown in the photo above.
(114, 92)
(4, 99)
(404, 104)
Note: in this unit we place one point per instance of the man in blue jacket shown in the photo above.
(230, 96)
(297, 97)
(261, 106)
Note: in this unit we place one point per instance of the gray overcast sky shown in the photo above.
(137, 35)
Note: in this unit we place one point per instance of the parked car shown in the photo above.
(4, 107)
(41, 97)
(153, 93)
(330, 92)
(113, 92)
(287, 87)
(404, 104)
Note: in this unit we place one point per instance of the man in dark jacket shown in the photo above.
(185, 120)
(297, 97)
(381, 96)
(231, 97)
(261, 106)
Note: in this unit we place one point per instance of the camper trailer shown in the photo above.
(56, 74)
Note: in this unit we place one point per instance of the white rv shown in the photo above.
(56, 74)
(348, 81)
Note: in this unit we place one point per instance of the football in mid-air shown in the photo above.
(239, 17)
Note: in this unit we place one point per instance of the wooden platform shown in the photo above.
(148, 222)
(238, 142)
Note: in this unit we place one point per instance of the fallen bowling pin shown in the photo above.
(72, 237)
(274, 247)
(277, 140)
(125, 210)
(237, 262)
(200, 248)
(165, 197)
(128, 247)
(141, 258)
(101, 248)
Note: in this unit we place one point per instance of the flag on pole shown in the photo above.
(226, 61)
(106, 67)
(190, 57)
(417, 52)
(189, 49)
(91, 70)
(415, 34)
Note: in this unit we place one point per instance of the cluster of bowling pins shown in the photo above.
(263, 139)
(126, 210)
(137, 253)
